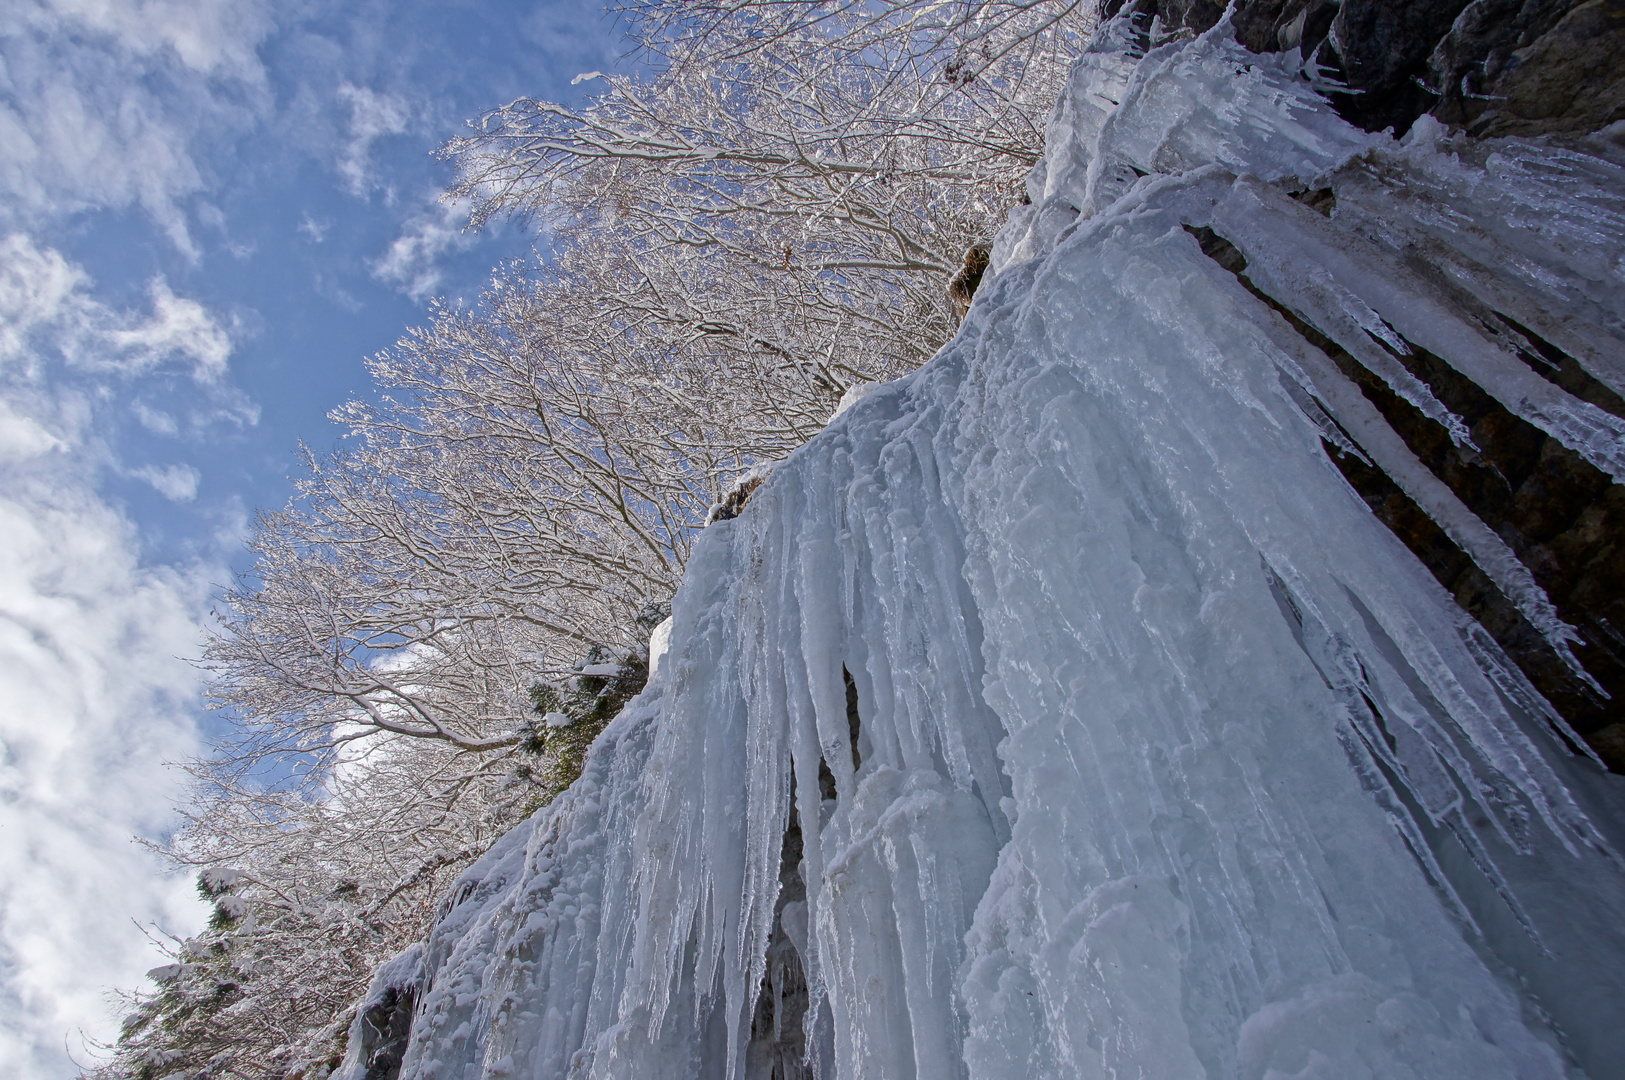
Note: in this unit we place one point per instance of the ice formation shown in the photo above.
(1061, 712)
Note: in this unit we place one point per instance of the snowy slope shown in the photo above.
(1171, 760)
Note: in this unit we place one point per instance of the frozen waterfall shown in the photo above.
(1062, 712)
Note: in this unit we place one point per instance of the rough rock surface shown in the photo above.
(1492, 67)
(1525, 68)
(382, 1027)
(1497, 67)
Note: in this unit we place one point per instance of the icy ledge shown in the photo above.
(1170, 760)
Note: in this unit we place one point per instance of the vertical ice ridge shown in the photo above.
(1553, 263)
(1516, 688)
(1175, 762)
(1373, 284)
(1304, 284)
(1426, 773)
(1355, 417)
(1362, 752)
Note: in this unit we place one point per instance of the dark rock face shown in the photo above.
(1526, 68)
(1496, 67)
(386, 1026)
(778, 1036)
(1384, 46)
(962, 286)
(1566, 81)
(1529, 68)
(733, 503)
(1197, 15)
(1469, 59)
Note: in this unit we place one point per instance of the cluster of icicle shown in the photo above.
(1171, 761)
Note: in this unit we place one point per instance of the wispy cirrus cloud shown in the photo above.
(48, 306)
(373, 115)
(412, 262)
(102, 103)
(177, 483)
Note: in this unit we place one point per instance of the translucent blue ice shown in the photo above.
(1173, 761)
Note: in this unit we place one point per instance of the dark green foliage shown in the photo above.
(590, 701)
(221, 919)
(231, 1006)
(181, 1030)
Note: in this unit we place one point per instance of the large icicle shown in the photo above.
(1118, 735)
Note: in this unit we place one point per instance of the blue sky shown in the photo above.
(211, 211)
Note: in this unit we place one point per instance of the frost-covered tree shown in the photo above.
(317, 880)
(831, 163)
(308, 896)
(737, 240)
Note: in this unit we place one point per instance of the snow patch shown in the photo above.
(659, 645)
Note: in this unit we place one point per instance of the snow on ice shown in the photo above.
(1170, 761)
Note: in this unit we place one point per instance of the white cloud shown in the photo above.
(205, 36)
(37, 287)
(154, 420)
(93, 702)
(22, 437)
(94, 695)
(411, 263)
(315, 230)
(177, 483)
(372, 116)
(177, 327)
(46, 301)
(101, 100)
